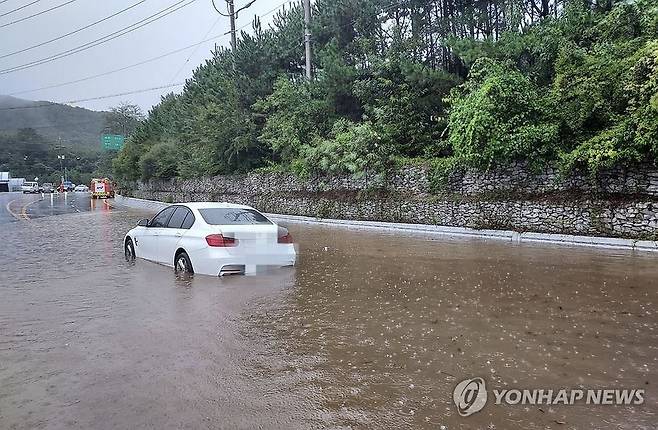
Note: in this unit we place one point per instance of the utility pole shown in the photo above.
(232, 15)
(234, 37)
(307, 39)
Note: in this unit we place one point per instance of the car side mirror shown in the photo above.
(143, 223)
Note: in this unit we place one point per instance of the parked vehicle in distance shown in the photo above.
(101, 189)
(47, 188)
(211, 239)
(30, 188)
(67, 186)
(81, 189)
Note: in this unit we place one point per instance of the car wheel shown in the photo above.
(129, 250)
(182, 264)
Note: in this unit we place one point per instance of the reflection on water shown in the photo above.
(369, 331)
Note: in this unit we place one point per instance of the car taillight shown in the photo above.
(219, 241)
(286, 238)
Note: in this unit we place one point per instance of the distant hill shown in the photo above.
(77, 127)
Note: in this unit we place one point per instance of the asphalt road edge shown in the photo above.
(506, 235)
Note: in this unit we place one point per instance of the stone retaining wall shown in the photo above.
(619, 203)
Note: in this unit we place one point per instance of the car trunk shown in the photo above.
(252, 235)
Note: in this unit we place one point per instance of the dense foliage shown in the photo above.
(123, 119)
(572, 82)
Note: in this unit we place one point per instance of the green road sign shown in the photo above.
(112, 142)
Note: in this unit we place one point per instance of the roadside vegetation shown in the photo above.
(37, 153)
(26, 153)
(572, 83)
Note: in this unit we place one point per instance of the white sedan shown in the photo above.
(211, 239)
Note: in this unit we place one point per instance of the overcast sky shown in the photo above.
(184, 27)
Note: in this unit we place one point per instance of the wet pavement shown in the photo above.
(21, 207)
(371, 330)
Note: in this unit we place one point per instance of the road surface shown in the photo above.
(371, 330)
(21, 207)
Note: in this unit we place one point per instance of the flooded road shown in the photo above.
(371, 330)
(21, 207)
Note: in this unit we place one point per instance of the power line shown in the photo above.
(269, 12)
(108, 96)
(233, 15)
(166, 54)
(196, 48)
(19, 8)
(147, 61)
(110, 72)
(134, 91)
(218, 11)
(101, 40)
(127, 93)
(128, 29)
(72, 32)
(150, 60)
(36, 14)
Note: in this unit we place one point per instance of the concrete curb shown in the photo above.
(511, 236)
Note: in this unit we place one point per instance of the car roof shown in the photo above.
(213, 205)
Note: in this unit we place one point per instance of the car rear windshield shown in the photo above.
(233, 216)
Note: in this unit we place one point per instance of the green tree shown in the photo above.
(123, 119)
(498, 116)
(296, 115)
(350, 148)
(546, 81)
(160, 162)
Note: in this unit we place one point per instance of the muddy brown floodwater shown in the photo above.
(371, 330)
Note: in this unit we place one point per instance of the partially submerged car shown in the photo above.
(211, 239)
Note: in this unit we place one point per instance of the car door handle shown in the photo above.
(179, 235)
